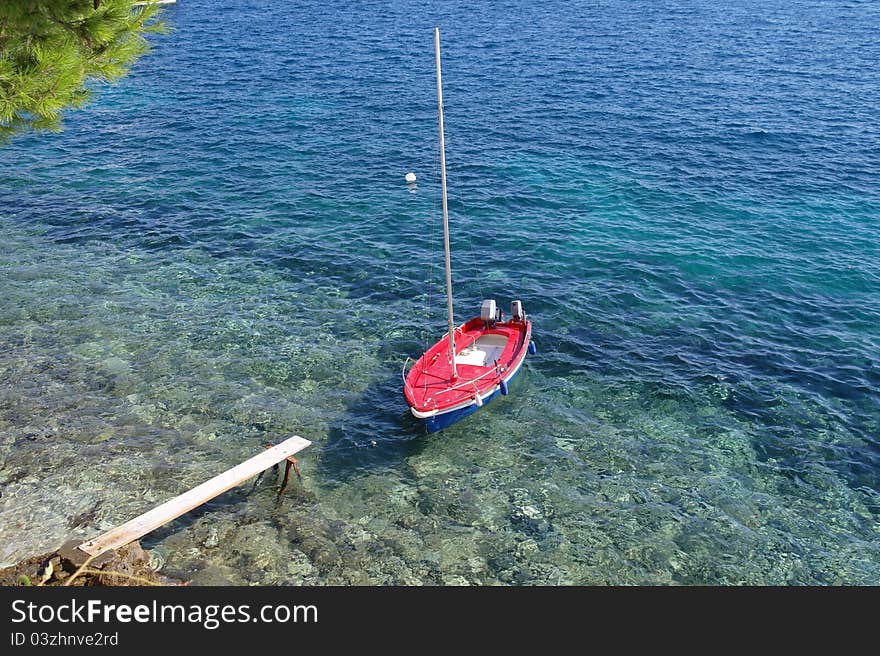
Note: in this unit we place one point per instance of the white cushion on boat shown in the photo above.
(483, 352)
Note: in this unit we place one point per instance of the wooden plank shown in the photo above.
(140, 526)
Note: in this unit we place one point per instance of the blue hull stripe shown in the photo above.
(444, 420)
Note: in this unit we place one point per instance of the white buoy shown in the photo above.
(410, 178)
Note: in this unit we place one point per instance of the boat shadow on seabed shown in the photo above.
(378, 432)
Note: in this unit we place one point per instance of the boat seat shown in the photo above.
(484, 352)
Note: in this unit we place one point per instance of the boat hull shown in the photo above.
(488, 356)
(445, 419)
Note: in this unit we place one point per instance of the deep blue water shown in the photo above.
(220, 251)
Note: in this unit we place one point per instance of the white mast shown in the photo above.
(445, 210)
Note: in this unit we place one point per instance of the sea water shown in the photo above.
(221, 251)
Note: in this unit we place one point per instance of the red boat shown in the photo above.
(488, 354)
(472, 363)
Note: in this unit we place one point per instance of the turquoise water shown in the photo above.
(221, 251)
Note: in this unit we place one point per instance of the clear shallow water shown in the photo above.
(220, 251)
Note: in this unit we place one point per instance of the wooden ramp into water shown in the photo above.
(160, 515)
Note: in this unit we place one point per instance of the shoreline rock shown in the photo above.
(126, 566)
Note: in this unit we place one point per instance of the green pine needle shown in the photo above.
(51, 49)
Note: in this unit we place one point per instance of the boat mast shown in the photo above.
(445, 208)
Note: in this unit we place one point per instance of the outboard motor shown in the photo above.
(516, 311)
(489, 313)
